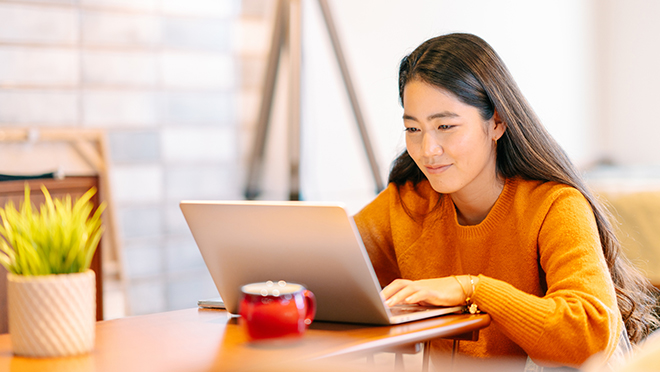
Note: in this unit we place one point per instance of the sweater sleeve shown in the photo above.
(578, 316)
(373, 222)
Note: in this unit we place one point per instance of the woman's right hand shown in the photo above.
(429, 292)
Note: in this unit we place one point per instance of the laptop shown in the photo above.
(313, 244)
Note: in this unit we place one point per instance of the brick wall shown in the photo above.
(162, 77)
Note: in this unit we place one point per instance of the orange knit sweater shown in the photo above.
(542, 275)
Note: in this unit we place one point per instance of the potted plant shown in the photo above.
(51, 292)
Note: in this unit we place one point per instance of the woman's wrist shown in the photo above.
(463, 286)
(472, 307)
(468, 284)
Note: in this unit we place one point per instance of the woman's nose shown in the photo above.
(430, 145)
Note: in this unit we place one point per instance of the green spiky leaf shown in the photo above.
(59, 238)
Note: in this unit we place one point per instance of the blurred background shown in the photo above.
(175, 85)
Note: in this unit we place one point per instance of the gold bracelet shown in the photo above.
(472, 307)
(462, 289)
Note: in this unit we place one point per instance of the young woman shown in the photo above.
(485, 209)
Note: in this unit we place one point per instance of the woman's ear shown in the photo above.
(498, 126)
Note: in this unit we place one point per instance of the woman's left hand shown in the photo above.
(429, 292)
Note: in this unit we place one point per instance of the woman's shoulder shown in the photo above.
(400, 202)
(543, 193)
(417, 198)
(531, 202)
(421, 191)
(536, 187)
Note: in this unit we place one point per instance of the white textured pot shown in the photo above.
(52, 315)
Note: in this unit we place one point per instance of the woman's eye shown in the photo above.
(444, 127)
(411, 130)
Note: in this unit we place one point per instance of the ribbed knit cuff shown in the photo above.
(519, 314)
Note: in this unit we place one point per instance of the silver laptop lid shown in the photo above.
(314, 244)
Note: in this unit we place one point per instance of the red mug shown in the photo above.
(276, 310)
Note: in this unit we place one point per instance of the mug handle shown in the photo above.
(310, 301)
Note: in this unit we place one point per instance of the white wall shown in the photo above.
(547, 46)
(159, 76)
(630, 39)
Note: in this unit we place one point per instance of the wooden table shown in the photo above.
(209, 340)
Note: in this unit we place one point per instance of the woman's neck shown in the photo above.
(473, 206)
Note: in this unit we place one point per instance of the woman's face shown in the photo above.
(449, 140)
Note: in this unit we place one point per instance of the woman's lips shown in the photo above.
(436, 169)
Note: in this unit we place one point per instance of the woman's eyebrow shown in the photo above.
(443, 114)
(439, 115)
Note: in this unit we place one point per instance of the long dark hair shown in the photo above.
(468, 67)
